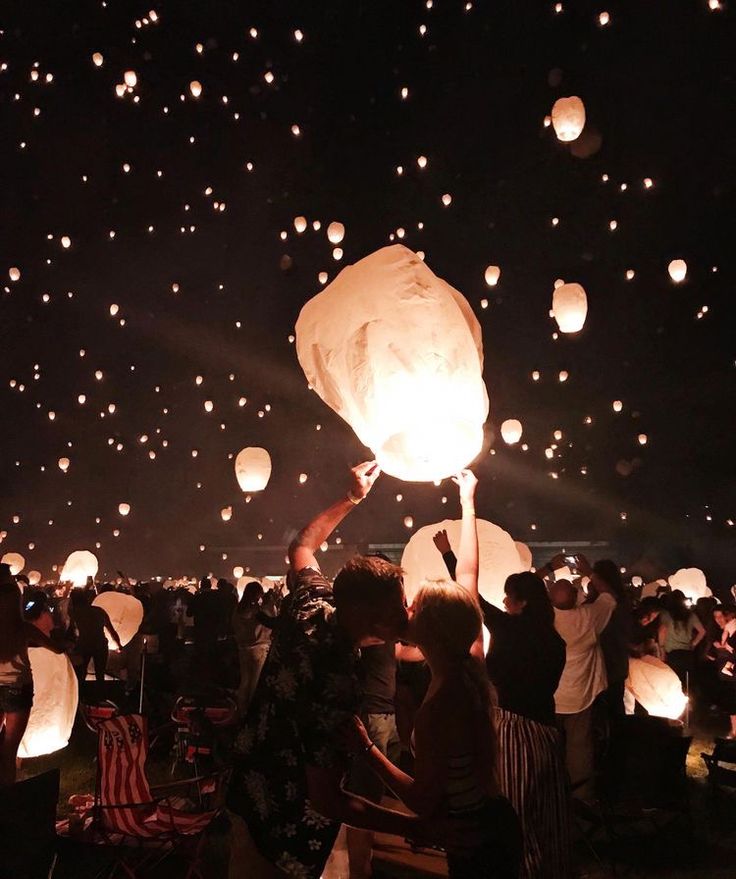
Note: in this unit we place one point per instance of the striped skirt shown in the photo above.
(532, 776)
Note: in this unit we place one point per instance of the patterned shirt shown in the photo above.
(308, 687)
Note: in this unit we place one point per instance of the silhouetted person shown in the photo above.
(90, 622)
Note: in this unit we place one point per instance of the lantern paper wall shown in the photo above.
(398, 353)
(692, 582)
(253, 468)
(651, 588)
(79, 565)
(15, 560)
(678, 270)
(499, 557)
(569, 307)
(125, 612)
(511, 431)
(525, 555)
(568, 118)
(55, 696)
(656, 687)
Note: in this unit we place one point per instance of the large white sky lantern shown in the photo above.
(125, 612)
(397, 352)
(568, 118)
(499, 557)
(692, 582)
(525, 555)
(511, 431)
(15, 560)
(79, 565)
(655, 687)
(570, 307)
(55, 696)
(252, 468)
(678, 270)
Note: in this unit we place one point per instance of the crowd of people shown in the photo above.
(347, 693)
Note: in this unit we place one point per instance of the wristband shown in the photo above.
(353, 500)
(369, 748)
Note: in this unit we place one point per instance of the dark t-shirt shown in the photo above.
(377, 674)
(90, 622)
(209, 612)
(524, 663)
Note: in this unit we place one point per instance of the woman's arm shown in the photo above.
(466, 573)
(698, 631)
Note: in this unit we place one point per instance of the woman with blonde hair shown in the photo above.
(454, 736)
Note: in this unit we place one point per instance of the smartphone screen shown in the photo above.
(571, 561)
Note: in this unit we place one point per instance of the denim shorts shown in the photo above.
(14, 699)
(362, 780)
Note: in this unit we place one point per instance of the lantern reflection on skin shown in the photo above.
(568, 118)
(55, 697)
(511, 431)
(398, 354)
(79, 565)
(569, 307)
(16, 562)
(252, 468)
(126, 615)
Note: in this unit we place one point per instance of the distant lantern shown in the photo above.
(678, 270)
(408, 522)
(643, 439)
(369, 346)
(253, 468)
(64, 464)
(617, 405)
(130, 79)
(195, 87)
(14, 273)
(114, 309)
(226, 514)
(55, 698)
(34, 578)
(238, 572)
(568, 118)
(499, 557)
(570, 307)
(493, 273)
(123, 509)
(335, 232)
(208, 405)
(300, 224)
(16, 562)
(511, 431)
(125, 612)
(79, 565)
(66, 242)
(97, 59)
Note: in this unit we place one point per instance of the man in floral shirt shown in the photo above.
(287, 778)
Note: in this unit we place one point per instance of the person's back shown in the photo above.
(584, 674)
(207, 609)
(90, 623)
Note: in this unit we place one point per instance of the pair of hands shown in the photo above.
(365, 475)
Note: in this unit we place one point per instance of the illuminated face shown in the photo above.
(513, 605)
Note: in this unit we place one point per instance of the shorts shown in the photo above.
(362, 780)
(15, 699)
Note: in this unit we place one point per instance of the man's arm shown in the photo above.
(408, 653)
(302, 551)
(600, 611)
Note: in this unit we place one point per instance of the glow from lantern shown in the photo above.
(55, 698)
(335, 232)
(64, 464)
(492, 274)
(525, 555)
(568, 118)
(14, 273)
(300, 224)
(226, 514)
(398, 354)
(79, 565)
(123, 509)
(656, 687)
(16, 562)
(125, 612)
(252, 469)
(238, 572)
(195, 87)
(677, 270)
(569, 307)
(511, 431)
(691, 582)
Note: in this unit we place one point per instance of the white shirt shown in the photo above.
(584, 675)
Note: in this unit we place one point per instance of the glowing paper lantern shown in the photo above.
(493, 273)
(15, 560)
(238, 571)
(34, 578)
(97, 59)
(511, 431)
(655, 687)
(125, 612)
(123, 509)
(335, 232)
(525, 555)
(64, 464)
(398, 353)
(300, 224)
(692, 582)
(226, 514)
(569, 307)
(678, 270)
(79, 565)
(253, 468)
(195, 87)
(499, 557)
(14, 273)
(568, 118)
(130, 78)
(55, 697)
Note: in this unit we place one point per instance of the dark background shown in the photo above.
(658, 84)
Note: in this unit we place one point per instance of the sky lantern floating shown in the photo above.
(123, 509)
(252, 468)
(125, 612)
(335, 232)
(34, 578)
(130, 78)
(493, 273)
(389, 346)
(569, 307)
(97, 59)
(79, 565)
(300, 224)
(499, 557)
(511, 431)
(55, 698)
(15, 560)
(238, 571)
(195, 87)
(692, 582)
(678, 270)
(64, 464)
(568, 118)
(14, 273)
(656, 687)
(226, 514)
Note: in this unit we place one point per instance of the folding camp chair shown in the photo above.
(721, 764)
(27, 827)
(197, 723)
(140, 824)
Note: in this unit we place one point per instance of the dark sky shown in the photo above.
(659, 87)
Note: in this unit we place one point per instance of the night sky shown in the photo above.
(659, 85)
